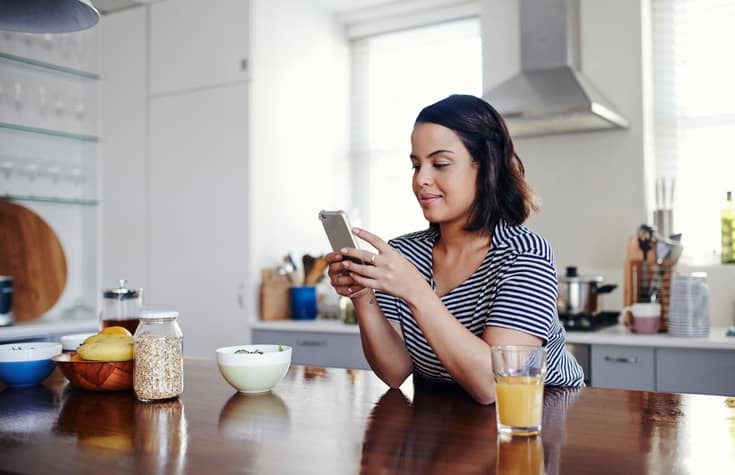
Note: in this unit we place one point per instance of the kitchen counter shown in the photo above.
(326, 421)
(615, 335)
(46, 329)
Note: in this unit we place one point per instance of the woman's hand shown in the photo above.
(339, 277)
(387, 270)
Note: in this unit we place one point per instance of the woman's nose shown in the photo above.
(423, 176)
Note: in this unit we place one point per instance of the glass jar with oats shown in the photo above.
(159, 357)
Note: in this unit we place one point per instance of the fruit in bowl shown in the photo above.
(103, 362)
(27, 364)
(254, 368)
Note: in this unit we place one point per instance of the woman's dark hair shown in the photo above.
(502, 191)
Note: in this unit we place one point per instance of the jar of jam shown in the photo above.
(121, 306)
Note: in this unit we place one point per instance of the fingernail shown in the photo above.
(356, 230)
(343, 250)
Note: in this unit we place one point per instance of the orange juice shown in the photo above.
(519, 401)
(520, 456)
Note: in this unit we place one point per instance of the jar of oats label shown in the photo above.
(159, 357)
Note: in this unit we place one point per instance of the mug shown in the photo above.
(6, 300)
(646, 317)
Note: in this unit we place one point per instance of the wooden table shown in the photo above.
(336, 421)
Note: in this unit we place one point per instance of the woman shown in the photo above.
(433, 302)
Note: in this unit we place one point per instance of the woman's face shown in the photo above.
(445, 176)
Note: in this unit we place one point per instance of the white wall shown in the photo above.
(123, 123)
(299, 130)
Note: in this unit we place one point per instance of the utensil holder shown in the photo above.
(660, 275)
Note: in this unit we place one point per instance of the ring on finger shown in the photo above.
(372, 258)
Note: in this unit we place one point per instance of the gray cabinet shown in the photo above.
(690, 370)
(623, 367)
(337, 350)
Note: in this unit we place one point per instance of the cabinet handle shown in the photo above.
(305, 342)
(622, 359)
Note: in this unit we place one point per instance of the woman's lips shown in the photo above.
(426, 199)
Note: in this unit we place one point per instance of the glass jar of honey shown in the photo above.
(121, 306)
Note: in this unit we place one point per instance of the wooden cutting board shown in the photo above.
(30, 252)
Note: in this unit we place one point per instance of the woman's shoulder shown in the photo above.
(522, 240)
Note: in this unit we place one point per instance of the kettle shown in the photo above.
(580, 294)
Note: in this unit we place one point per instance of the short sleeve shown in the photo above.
(388, 304)
(526, 295)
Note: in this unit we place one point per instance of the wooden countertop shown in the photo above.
(337, 421)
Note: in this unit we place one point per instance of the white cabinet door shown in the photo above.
(198, 214)
(197, 44)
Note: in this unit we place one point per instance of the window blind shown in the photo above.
(694, 102)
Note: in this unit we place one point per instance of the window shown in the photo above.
(395, 75)
(694, 103)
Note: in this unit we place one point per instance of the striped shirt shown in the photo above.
(515, 287)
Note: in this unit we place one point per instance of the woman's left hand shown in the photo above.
(387, 270)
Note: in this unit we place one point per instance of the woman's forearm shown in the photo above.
(384, 349)
(465, 356)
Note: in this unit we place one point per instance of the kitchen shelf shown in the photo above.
(50, 199)
(49, 132)
(47, 67)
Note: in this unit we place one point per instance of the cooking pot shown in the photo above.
(580, 294)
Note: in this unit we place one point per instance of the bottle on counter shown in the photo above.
(727, 216)
(159, 357)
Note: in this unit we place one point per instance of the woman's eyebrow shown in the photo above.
(435, 152)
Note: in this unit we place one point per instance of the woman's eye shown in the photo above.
(441, 165)
(415, 167)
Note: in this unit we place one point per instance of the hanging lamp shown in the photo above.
(47, 16)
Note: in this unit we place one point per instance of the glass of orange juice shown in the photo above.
(519, 373)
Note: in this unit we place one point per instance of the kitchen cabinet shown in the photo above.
(623, 367)
(196, 45)
(198, 219)
(695, 371)
(317, 348)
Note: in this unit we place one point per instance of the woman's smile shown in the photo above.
(427, 199)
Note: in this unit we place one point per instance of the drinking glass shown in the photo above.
(519, 373)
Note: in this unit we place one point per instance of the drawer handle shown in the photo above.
(305, 342)
(622, 359)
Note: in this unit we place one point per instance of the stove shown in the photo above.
(581, 322)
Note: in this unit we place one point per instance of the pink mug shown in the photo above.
(646, 317)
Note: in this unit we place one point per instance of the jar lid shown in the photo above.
(158, 314)
(122, 292)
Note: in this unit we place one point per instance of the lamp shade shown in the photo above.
(47, 16)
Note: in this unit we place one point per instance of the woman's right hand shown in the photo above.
(339, 277)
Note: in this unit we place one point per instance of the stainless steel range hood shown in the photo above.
(550, 95)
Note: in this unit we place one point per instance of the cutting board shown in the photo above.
(30, 252)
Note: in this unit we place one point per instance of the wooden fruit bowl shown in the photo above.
(96, 375)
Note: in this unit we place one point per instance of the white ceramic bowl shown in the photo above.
(254, 368)
(72, 342)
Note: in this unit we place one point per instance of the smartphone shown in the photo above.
(338, 229)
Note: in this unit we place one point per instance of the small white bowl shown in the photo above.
(72, 342)
(254, 368)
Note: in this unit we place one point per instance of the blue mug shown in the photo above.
(303, 303)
